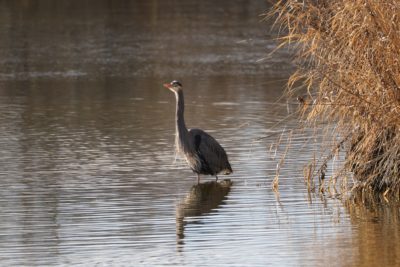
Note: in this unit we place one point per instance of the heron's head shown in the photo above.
(174, 86)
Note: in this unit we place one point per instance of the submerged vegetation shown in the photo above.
(348, 55)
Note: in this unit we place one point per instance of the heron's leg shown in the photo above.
(198, 178)
(216, 178)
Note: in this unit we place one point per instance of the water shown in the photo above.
(87, 169)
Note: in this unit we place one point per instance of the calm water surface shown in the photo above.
(87, 169)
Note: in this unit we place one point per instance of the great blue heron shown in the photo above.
(202, 152)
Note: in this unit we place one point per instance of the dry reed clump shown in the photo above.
(348, 61)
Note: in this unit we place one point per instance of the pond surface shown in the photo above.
(87, 165)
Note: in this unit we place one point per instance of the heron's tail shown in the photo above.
(228, 169)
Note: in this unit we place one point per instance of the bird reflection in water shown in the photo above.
(201, 199)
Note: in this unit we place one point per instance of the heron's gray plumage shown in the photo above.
(212, 155)
(202, 152)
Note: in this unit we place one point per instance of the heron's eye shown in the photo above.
(176, 83)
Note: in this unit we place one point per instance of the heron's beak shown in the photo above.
(167, 85)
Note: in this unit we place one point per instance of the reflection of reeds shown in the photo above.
(349, 53)
(378, 229)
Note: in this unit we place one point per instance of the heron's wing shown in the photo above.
(210, 150)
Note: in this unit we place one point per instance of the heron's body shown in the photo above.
(202, 152)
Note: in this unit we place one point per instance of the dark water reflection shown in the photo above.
(86, 164)
(201, 199)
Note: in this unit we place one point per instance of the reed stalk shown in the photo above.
(347, 57)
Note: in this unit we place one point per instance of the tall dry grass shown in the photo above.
(348, 55)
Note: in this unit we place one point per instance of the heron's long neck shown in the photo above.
(181, 129)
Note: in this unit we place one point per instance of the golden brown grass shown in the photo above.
(348, 62)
